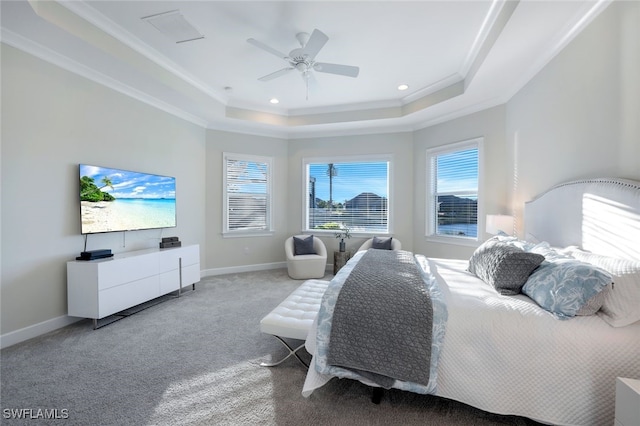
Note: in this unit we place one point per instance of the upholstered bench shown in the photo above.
(293, 317)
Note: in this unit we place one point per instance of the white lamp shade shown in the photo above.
(499, 222)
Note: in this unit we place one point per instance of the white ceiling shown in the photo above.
(456, 56)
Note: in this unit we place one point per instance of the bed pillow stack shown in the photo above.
(503, 265)
(560, 283)
(621, 303)
(566, 286)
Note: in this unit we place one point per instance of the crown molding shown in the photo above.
(44, 53)
(562, 39)
(88, 13)
(386, 116)
(485, 29)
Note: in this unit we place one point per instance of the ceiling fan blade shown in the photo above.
(346, 70)
(276, 74)
(316, 41)
(269, 49)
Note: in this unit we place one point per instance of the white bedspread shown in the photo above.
(506, 355)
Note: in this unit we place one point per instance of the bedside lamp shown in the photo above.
(499, 222)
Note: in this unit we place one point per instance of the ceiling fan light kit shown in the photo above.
(303, 58)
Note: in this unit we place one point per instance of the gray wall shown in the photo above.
(488, 124)
(398, 145)
(236, 252)
(579, 117)
(52, 120)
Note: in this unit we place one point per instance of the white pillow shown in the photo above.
(621, 304)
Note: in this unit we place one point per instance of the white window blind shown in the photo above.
(345, 193)
(247, 193)
(452, 207)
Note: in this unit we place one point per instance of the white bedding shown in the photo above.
(506, 355)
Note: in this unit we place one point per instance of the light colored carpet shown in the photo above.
(193, 360)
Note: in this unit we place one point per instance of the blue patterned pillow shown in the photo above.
(564, 286)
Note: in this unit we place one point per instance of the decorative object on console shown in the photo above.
(342, 234)
(168, 242)
(95, 254)
(499, 222)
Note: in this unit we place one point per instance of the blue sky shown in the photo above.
(131, 184)
(457, 172)
(351, 180)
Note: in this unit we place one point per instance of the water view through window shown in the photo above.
(454, 180)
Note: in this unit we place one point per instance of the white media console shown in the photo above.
(102, 287)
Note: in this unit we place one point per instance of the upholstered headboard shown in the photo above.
(598, 215)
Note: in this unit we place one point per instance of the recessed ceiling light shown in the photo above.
(274, 101)
(403, 87)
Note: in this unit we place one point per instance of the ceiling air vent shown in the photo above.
(174, 25)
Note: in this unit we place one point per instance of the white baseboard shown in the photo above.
(244, 268)
(248, 268)
(35, 330)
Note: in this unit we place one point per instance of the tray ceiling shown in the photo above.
(192, 58)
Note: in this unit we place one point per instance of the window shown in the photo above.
(347, 192)
(247, 194)
(453, 174)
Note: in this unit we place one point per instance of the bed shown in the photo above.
(505, 353)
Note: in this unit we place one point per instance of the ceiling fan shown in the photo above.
(303, 58)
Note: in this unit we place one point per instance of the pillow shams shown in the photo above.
(303, 246)
(593, 305)
(621, 305)
(503, 266)
(565, 287)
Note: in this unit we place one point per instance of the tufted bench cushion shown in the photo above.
(293, 317)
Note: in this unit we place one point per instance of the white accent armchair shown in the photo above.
(395, 244)
(306, 266)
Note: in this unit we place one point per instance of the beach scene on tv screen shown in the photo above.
(120, 200)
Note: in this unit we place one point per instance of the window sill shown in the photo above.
(243, 234)
(456, 241)
(331, 233)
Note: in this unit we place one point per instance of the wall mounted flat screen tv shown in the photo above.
(114, 200)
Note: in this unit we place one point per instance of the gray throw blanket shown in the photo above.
(382, 320)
